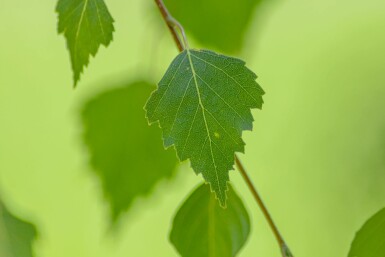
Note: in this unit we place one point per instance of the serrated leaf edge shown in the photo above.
(76, 77)
(224, 203)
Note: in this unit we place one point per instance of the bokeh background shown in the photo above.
(317, 152)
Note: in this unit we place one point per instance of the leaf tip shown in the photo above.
(75, 84)
(76, 78)
(220, 194)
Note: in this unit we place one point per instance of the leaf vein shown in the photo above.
(228, 75)
(212, 89)
(189, 132)
(205, 121)
(100, 21)
(79, 26)
(180, 104)
(168, 85)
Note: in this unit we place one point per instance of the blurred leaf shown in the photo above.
(203, 104)
(126, 153)
(16, 236)
(370, 239)
(202, 228)
(86, 24)
(215, 23)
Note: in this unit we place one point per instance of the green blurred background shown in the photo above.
(317, 152)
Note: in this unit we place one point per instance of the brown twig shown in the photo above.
(167, 17)
(172, 23)
(282, 244)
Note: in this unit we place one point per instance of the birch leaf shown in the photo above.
(203, 103)
(202, 228)
(86, 24)
(125, 153)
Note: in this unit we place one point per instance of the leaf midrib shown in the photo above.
(80, 25)
(204, 118)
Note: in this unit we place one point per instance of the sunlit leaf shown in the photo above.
(219, 24)
(16, 235)
(370, 239)
(203, 104)
(202, 228)
(86, 24)
(125, 152)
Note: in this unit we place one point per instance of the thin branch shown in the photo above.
(172, 23)
(282, 244)
(167, 17)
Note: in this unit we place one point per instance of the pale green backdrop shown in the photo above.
(317, 153)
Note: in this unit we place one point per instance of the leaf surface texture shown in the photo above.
(203, 104)
(86, 24)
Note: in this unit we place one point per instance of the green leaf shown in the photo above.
(16, 236)
(126, 154)
(370, 239)
(86, 24)
(220, 24)
(202, 228)
(203, 104)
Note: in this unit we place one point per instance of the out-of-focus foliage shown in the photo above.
(317, 154)
(202, 228)
(16, 235)
(370, 239)
(215, 23)
(203, 105)
(126, 153)
(86, 25)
